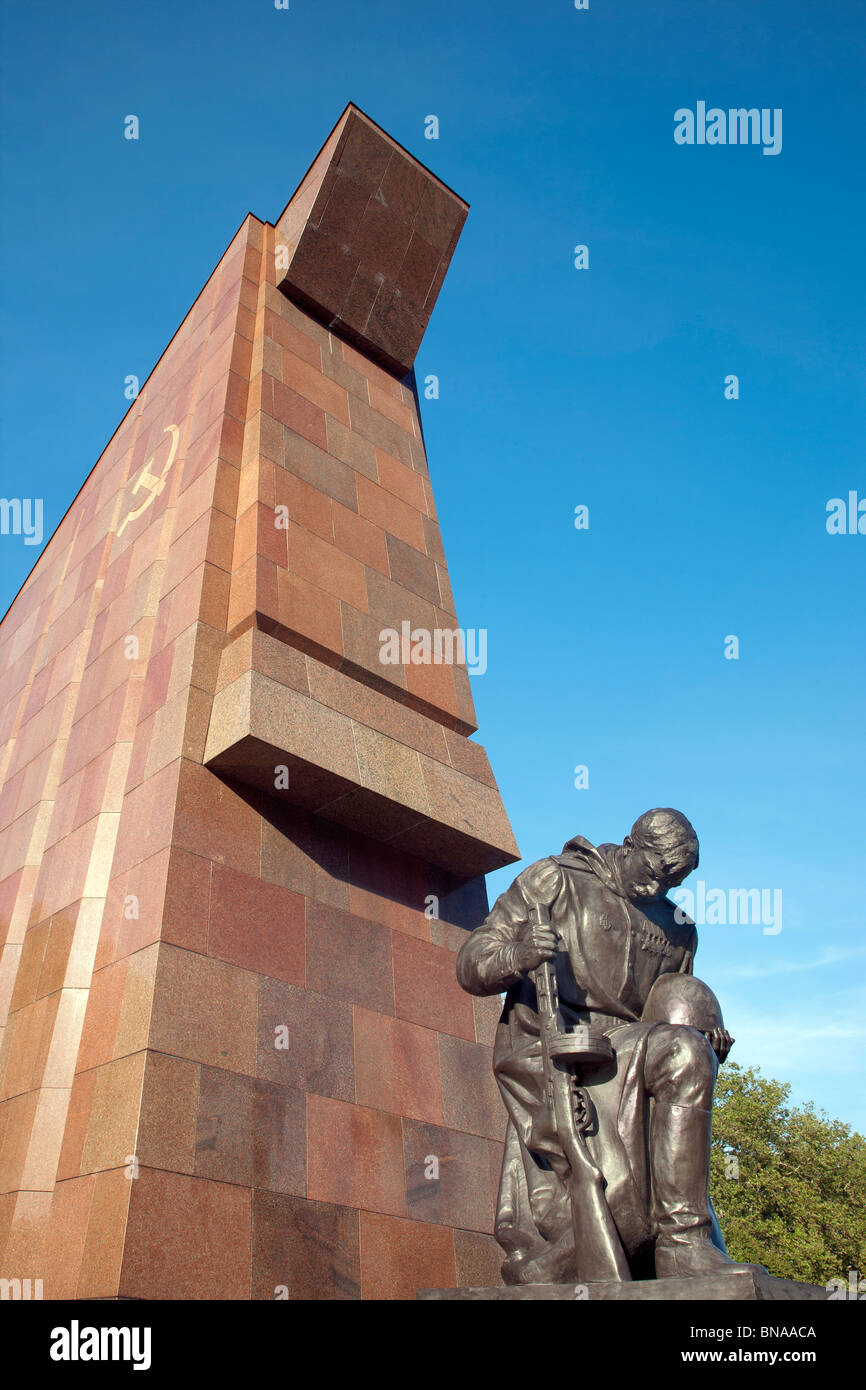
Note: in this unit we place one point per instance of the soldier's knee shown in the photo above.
(681, 1065)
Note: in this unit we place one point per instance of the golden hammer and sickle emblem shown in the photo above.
(153, 482)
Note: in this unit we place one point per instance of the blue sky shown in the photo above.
(558, 387)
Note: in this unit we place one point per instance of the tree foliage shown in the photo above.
(788, 1184)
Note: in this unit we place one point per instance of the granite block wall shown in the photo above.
(237, 850)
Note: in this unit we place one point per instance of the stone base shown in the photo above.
(742, 1287)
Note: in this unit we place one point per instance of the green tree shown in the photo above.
(788, 1184)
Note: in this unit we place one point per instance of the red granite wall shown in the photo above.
(337, 441)
(236, 1062)
(112, 611)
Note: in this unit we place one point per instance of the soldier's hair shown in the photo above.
(666, 830)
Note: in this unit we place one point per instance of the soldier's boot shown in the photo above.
(680, 1162)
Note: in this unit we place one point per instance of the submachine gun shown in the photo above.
(597, 1247)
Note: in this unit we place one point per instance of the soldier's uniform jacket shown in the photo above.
(611, 949)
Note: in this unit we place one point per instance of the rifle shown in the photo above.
(598, 1249)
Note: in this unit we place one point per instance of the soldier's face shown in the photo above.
(648, 874)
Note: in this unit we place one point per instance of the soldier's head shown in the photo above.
(660, 852)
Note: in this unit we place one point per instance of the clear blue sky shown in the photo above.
(558, 387)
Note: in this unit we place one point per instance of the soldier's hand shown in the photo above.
(538, 943)
(720, 1041)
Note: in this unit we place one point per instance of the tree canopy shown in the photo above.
(788, 1183)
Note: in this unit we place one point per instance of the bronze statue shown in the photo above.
(606, 1056)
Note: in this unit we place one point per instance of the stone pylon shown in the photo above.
(242, 835)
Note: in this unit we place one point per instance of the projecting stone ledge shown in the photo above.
(367, 239)
(408, 782)
(717, 1288)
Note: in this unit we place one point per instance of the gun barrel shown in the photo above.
(598, 1249)
(544, 976)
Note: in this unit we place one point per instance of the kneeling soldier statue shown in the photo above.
(606, 1057)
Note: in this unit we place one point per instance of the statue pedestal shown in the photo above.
(743, 1287)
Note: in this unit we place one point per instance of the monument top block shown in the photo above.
(366, 240)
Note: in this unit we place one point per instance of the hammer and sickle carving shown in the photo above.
(154, 483)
